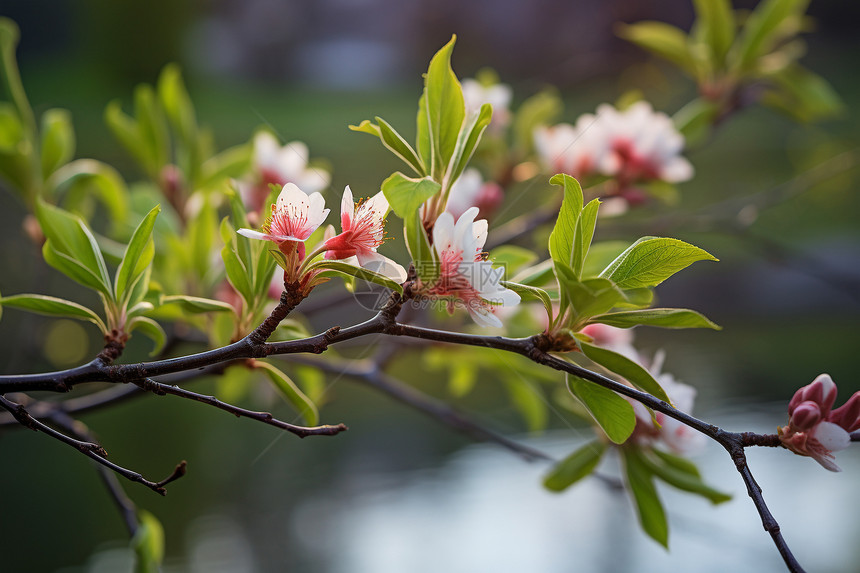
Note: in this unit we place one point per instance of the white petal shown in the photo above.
(381, 264)
(292, 160)
(831, 436)
(479, 231)
(504, 297)
(443, 232)
(266, 150)
(251, 234)
(316, 209)
(676, 170)
(312, 180)
(483, 317)
(347, 205)
(463, 237)
(292, 196)
(378, 204)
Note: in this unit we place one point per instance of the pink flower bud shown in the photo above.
(848, 415)
(805, 416)
(822, 391)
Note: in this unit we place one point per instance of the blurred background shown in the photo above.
(399, 491)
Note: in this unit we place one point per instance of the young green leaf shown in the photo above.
(662, 317)
(336, 268)
(70, 238)
(527, 292)
(197, 305)
(85, 178)
(406, 194)
(612, 413)
(762, 30)
(651, 260)
(150, 329)
(446, 108)
(528, 400)
(563, 234)
(52, 306)
(683, 480)
(138, 255)
(640, 481)
(540, 109)
(237, 274)
(399, 147)
(58, 140)
(148, 543)
(626, 368)
(574, 467)
(661, 39)
(291, 392)
(467, 141)
(717, 21)
(366, 126)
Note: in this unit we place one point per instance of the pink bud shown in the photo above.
(805, 416)
(822, 391)
(489, 198)
(848, 415)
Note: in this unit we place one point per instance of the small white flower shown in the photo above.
(499, 96)
(470, 190)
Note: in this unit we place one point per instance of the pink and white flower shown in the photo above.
(295, 216)
(363, 231)
(813, 429)
(633, 145)
(677, 436)
(465, 277)
(497, 95)
(279, 165)
(470, 190)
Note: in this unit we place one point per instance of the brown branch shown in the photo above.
(91, 450)
(160, 389)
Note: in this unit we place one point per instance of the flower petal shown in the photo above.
(347, 209)
(381, 264)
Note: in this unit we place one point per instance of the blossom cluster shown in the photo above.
(632, 146)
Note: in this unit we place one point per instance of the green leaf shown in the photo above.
(574, 467)
(406, 194)
(612, 413)
(677, 462)
(232, 162)
(69, 236)
(651, 260)
(683, 480)
(291, 392)
(717, 22)
(527, 292)
(237, 274)
(11, 78)
(72, 268)
(583, 234)
(366, 126)
(197, 305)
(52, 306)
(626, 368)
(528, 400)
(662, 317)
(342, 268)
(640, 482)
(148, 543)
(467, 141)
(563, 234)
(138, 255)
(58, 140)
(587, 297)
(695, 119)
(537, 275)
(423, 254)
(177, 104)
(399, 147)
(85, 178)
(512, 258)
(802, 95)
(462, 378)
(762, 30)
(150, 329)
(661, 39)
(423, 138)
(445, 108)
(151, 129)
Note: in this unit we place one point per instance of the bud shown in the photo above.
(847, 416)
(805, 416)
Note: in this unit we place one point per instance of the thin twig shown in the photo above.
(89, 449)
(160, 389)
